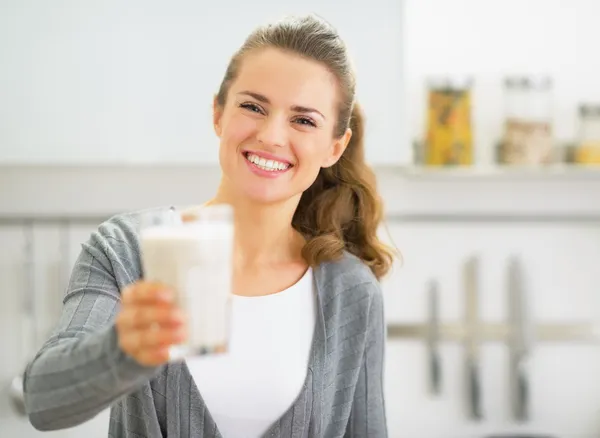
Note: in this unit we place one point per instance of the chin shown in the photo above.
(265, 195)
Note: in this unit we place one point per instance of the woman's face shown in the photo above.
(277, 127)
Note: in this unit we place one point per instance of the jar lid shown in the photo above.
(515, 81)
(539, 82)
(450, 83)
(536, 82)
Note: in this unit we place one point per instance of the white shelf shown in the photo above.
(500, 173)
(553, 194)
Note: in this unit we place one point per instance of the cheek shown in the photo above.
(313, 152)
(237, 129)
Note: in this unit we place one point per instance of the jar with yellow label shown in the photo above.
(449, 134)
(587, 150)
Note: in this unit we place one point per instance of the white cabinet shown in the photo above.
(12, 273)
(53, 258)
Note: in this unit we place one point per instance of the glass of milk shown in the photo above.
(195, 258)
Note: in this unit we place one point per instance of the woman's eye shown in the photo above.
(306, 121)
(252, 107)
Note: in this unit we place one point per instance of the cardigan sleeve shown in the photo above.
(80, 370)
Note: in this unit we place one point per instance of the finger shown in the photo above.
(189, 217)
(153, 357)
(138, 317)
(146, 293)
(137, 341)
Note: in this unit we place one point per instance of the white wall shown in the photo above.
(113, 82)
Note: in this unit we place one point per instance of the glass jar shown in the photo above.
(587, 150)
(528, 137)
(449, 135)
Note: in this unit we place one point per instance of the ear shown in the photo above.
(217, 115)
(337, 148)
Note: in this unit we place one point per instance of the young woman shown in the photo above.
(308, 317)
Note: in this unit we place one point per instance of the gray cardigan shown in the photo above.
(80, 370)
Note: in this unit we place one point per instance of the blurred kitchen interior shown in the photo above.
(484, 128)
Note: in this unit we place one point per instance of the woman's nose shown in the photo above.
(272, 131)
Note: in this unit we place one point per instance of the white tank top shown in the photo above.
(252, 386)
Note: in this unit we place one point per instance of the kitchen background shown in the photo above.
(105, 107)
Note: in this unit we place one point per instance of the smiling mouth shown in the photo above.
(268, 165)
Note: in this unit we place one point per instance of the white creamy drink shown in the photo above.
(195, 259)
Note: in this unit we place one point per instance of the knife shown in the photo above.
(520, 341)
(471, 339)
(433, 337)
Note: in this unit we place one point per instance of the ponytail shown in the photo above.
(342, 209)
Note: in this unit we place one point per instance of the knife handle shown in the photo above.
(474, 391)
(522, 382)
(435, 372)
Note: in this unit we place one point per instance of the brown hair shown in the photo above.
(342, 209)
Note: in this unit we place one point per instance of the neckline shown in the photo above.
(316, 359)
(287, 291)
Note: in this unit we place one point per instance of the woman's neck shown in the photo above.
(264, 232)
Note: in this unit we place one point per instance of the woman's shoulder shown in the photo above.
(348, 279)
(346, 271)
(351, 299)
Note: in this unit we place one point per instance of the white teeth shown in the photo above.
(266, 164)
